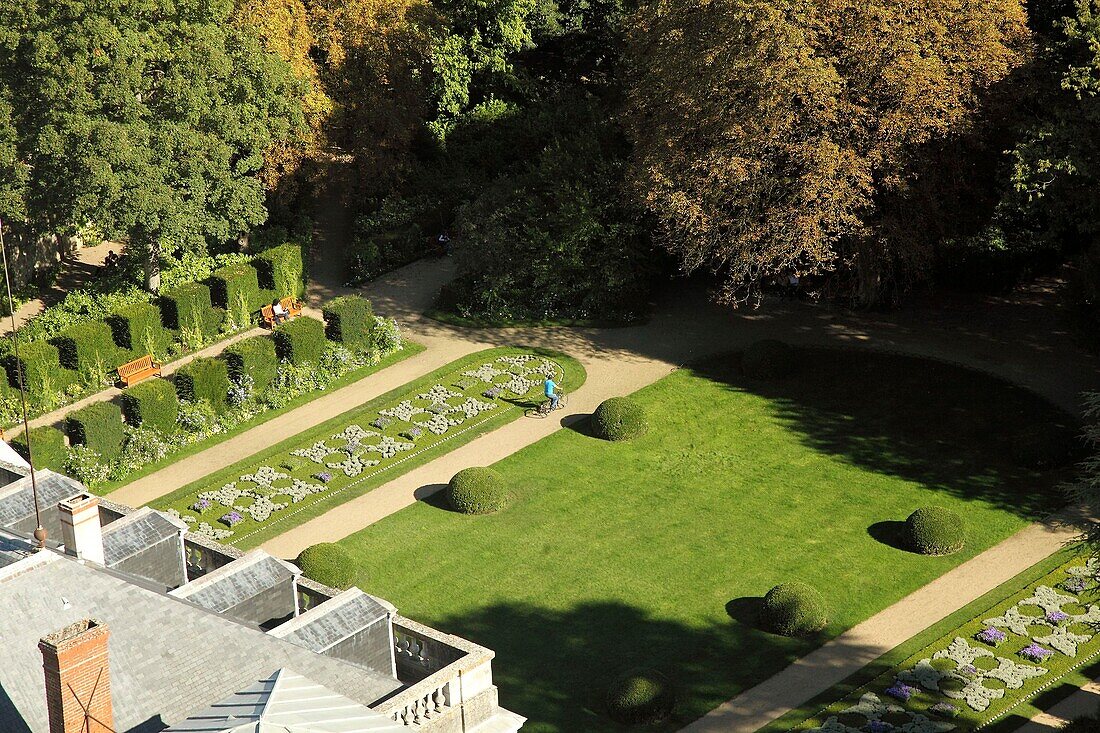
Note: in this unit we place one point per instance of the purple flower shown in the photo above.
(879, 726)
(969, 669)
(382, 422)
(231, 518)
(413, 433)
(323, 477)
(991, 636)
(945, 709)
(1057, 617)
(1035, 653)
(201, 505)
(900, 691)
(492, 393)
(1075, 585)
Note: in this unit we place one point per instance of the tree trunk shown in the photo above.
(152, 267)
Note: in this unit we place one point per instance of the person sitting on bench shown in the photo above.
(278, 312)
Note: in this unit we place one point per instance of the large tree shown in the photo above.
(800, 135)
(146, 120)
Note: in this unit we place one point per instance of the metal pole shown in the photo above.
(40, 533)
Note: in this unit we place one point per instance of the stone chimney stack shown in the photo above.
(78, 679)
(80, 529)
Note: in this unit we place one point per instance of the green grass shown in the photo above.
(408, 350)
(656, 552)
(344, 488)
(453, 319)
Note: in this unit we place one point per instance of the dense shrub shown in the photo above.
(88, 348)
(935, 531)
(253, 357)
(138, 329)
(640, 697)
(329, 564)
(236, 288)
(151, 404)
(768, 359)
(47, 445)
(477, 491)
(280, 269)
(98, 426)
(300, 340)
(204, 379)
(189, 308)
(349, 320)
(793, 609)
(41, 366)
(619, 418)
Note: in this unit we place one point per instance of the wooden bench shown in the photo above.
(292, 306)
(138, 370)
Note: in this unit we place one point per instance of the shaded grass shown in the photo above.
(652, 552)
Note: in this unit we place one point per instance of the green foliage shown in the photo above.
(41, 367)
(769, 359)
(205, 380)
(88, 348)
(619, 418)
(281, 269)
(98, 426)
(47, 446)
(189, 310)
(477, 490)
(793, 609)
(236, 288)
(349, 320)
(640, 697)
(300, 340)
(138, 329)
(253, 357)
(935, 530)
(151, 404)
(395, 235)
(329, 564)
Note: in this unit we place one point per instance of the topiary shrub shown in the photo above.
(640, 697)
(477, 491)
(793, 609)
(280, 269)
(47, 446)
(300, 341)
(151, 404)
(206, 380)
(236, 288)
(254, 357)
(189, 309)
(619, 418)
(349, 320)
(138, 329)
(42, 370)
(934, 530)
(98, 426)
(768, 359)
(89, 349)
(329, 564)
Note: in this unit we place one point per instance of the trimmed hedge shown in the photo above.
(768, 359)
(349, 320)
(138, 329)
(300, 340)
(793, 609)
(88, 348)
(640, 697)
(281, 269)
(48, 444)
(190, 307)
(236, 288)
(42, 370)
(619, 418)
(254, 357)
(152, 404)
(329, 564)
(204, 379)
(477, 490)
(934, 530)
(98, 426)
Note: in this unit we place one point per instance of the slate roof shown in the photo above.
(286, 702)
(168, 658)
(235, 583)
(17, 499)
(326, 625)
(137, 532)
(12, 461)
(13, 549)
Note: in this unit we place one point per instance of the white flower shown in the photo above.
(226, 496)
(438, 394)
(389, 447)
(316, 452)
(403, 411)
(473, 407)
(485, 372)
(213, 533)
(439, 424)
(353, 465)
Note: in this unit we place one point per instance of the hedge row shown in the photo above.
(98, 426)
(152, 404)
(49, 447)
(349, 320)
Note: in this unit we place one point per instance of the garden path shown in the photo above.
(75, 272)
(1085, 701)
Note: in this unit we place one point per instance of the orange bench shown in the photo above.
(137, 370)
(292, 306)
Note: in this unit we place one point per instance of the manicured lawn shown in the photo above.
(657, 551)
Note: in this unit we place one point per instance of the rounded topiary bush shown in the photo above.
(619, 418)
(477, 490)
(328, 564)
(640, 697)
(793, 609)
(934, 530)
(768, 359)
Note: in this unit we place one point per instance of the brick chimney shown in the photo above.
(78, 679)
(80, 529)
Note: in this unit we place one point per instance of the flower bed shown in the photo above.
(344, 455)
(1041, 634)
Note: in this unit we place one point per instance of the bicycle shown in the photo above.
(543, 409)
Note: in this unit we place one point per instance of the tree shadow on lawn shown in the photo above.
(951, 428)
(890, 533)
(554, 666)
